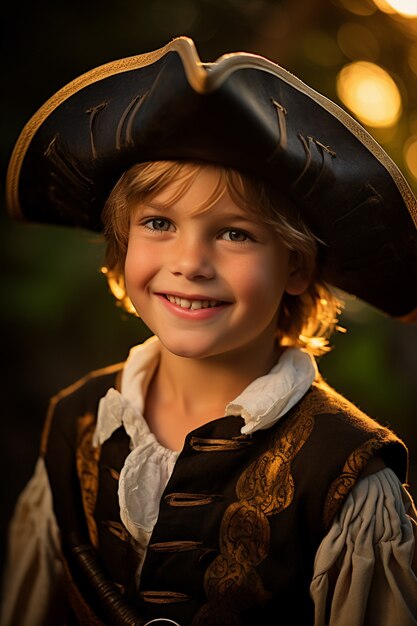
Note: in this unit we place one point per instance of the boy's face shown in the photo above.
(207, 281)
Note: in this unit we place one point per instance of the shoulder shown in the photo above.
(355, 443)
(324, 399)
(79, 399)
(349, 433)
(333, 412)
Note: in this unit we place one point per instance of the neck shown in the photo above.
(186, 393)
(208, 385)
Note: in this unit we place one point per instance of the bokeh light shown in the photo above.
(322, 49)
(370, 93)
(412, 57)
(410, 155)
(406, 8)
(357, 42)
(358, 7)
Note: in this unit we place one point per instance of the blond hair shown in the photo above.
(305, 320)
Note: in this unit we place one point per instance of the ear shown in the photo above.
(301, 275)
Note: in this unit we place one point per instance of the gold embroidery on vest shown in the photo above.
(87, 469)
(174, 546)
(117, 529)
(163, 597)
(354, 466)
(213, 445)
(191, 499)
(265, 488)
(113, 473)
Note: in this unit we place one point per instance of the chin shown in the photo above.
(186, 353)
(188, 349)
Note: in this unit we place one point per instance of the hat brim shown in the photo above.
(242, 111)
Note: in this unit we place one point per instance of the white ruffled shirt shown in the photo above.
(150, 464)
(371, 543)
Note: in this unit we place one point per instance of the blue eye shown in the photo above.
(158, 223)
(238, 236)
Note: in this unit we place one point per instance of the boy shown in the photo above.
(214, 478)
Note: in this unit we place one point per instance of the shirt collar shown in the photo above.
(260, 405)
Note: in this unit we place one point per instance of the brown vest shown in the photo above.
(240, 520)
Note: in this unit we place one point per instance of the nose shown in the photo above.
(193, 258)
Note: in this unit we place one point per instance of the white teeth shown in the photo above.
(192, 304)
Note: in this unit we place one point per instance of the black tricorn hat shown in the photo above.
(242, 111)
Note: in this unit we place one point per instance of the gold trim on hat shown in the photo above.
(229, 63)
(203, 78)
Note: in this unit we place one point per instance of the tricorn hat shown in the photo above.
(242, 111)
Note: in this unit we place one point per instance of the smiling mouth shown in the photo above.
(193, 305)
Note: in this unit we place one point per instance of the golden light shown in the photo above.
(406, 8)
(384, 5)
(358, 7)
(370, 93)
(412, 57)
(357, 42)
(322, 49)
(410, 155)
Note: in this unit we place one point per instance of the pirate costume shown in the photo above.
(244, 525)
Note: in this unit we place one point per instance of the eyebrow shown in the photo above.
(244, 216)
(154, 205)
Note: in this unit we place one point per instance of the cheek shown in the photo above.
(131, 264)
(261, 281)
(138, 267)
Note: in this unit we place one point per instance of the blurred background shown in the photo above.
(58, 319)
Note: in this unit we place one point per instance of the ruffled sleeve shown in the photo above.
(364, 573)
(32, 584)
